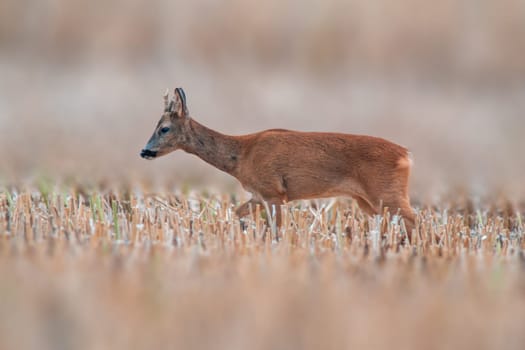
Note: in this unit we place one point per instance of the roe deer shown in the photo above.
(278, 166)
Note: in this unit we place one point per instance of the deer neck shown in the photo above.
(221, 151)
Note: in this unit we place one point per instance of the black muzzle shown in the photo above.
(147, 154)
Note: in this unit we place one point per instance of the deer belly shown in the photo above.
(309, 187)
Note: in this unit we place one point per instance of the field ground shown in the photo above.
(102, 268)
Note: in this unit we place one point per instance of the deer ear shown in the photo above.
(180, 106)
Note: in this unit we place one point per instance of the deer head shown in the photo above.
(171, 130)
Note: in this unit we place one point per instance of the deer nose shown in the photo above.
(147, 154)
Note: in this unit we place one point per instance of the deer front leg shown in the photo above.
(244, 209)
(271, 206)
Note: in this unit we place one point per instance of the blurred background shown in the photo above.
(81, 83)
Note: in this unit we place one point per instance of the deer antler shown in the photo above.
(166, 99)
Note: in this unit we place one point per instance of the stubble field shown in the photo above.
(101, 267)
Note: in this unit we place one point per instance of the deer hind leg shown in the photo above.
(366, 206)
(396, 201)
(403, 208)
(403, 202)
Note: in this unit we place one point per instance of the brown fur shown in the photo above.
(278, 166)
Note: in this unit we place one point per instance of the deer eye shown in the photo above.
(164, 130)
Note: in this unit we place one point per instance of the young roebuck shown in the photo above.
(278, 166)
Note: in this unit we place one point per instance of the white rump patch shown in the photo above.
(405, 162)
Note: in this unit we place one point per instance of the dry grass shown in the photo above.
(115, 268)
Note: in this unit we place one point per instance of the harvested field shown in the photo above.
(99, 268)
